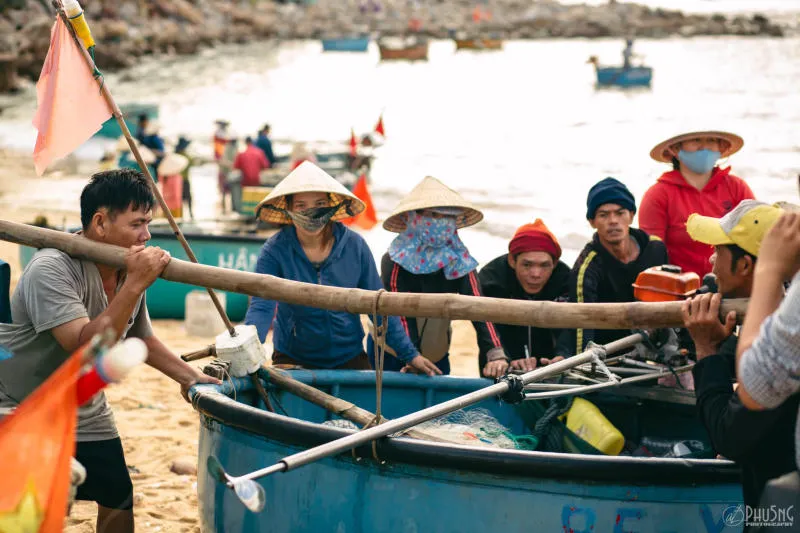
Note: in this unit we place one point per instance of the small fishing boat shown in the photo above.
(405, 484)
(230, 244)
(415, 50)
(622, 77)
(479, 44)
(131, 112)
(346, 44)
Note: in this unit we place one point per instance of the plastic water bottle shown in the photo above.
(111, 367)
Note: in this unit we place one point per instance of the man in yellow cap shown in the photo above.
(762, 443)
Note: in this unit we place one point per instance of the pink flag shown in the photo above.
(71, 108)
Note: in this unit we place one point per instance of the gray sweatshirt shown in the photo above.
(770, 368)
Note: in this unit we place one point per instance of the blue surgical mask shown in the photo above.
(701, 161)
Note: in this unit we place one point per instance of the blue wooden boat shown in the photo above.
(620, 76)
(131, 112)
(221, 248)
(346, 44)
(434, 487)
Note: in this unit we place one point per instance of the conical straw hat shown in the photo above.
(307, 177)
(659, 151)
(428, 194)
(147, 155)
(172, 164)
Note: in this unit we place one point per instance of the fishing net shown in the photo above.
(476, 427)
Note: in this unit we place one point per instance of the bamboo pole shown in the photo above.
(117, 113)
(333, 404)
(629, 315)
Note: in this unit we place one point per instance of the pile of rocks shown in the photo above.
(128, 29)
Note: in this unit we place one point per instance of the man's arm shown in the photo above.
(769, 361)
(172, 366)
(144, 265)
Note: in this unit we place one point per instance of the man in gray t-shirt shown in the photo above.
(60, 303)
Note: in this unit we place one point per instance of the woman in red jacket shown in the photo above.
(694, 185)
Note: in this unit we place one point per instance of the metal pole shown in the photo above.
(115, 111)
(399, 424)
(608, 384)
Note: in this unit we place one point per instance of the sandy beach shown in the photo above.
(156, 425)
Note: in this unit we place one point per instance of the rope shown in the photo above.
(545, 431)
(379, 335)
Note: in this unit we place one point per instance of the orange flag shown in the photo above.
(367, 219)
(37, 442)
(379, 126)
(71, 108)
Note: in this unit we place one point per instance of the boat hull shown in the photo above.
(479, 44)
(131, 112)
(167, 299)
(353, 44)
(620, 77)
(411, 53)
(433, 487)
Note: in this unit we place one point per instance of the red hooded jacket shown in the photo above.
(667, 205)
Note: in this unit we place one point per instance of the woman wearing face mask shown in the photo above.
(314, 247)
(428, 257)
(694, 185)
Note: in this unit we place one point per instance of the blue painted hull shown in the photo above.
(167, 299)
(350, 44)
(619, 77)
(432, 487)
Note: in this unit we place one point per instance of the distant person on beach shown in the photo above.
(225, 166)
(694, 185)
(607, 267)
(141, 126)
(153, 141)
(427, 256)
(250, 163)
(265, 144)
(220, 139)
(314, 247)
(60, 303)
(181, 148)
(531, 270)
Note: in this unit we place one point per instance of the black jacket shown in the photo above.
(598, 276)
(499, 280)
(397, 279)
(761, 442)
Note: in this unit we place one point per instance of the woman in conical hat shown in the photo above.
(695, 184)
(314, 247)
(428, 256)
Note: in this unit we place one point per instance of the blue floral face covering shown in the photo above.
(431, 244)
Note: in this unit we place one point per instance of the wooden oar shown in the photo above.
(629, 315)
(252, 494)
(342, 408)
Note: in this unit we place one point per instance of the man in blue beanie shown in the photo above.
(607, 267)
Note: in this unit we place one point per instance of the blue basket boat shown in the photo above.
(346, 44)
(620, 76)
(434, 487)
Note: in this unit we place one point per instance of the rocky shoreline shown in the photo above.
(128, 29)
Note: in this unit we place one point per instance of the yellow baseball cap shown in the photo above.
(745, 226)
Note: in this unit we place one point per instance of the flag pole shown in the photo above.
(117, 113)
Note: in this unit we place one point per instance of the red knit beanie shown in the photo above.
(535, 238)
